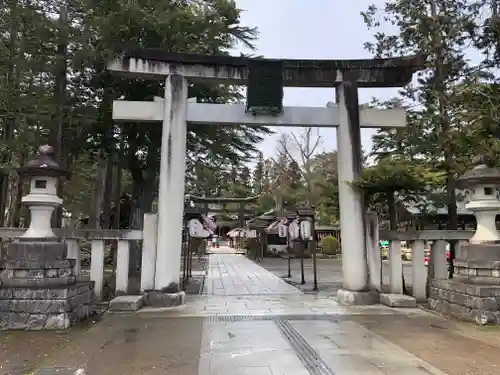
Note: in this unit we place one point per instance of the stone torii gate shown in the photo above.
(175, 111)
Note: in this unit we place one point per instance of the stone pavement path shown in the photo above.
(232, 274)
(266, 328)
(256, 324)
(223, 249)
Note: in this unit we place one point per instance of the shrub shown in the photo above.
(330, 245)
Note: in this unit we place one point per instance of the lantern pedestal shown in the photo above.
(38, 284)
(474, 292)
(39, 289)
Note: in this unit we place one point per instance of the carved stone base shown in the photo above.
(38, 288)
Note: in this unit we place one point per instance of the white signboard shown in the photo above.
(294, 229)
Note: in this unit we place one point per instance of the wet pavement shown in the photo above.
(232, 274)
(329, 273)
(250, 322)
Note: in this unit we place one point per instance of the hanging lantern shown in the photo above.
(282, 229)
(251, 233)
(294, 230)
(305, 230)
(196, 229)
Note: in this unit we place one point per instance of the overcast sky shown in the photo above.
(312, 29)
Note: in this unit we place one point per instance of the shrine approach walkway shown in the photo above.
(250, 322)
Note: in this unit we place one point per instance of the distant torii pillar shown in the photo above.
(345, 75)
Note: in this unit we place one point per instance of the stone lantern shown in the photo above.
(481, 185)
(473, 293)
(38, 285)
(44, 174)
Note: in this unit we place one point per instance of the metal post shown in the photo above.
(314, 245)
(302, 281)
(242, 224)
(262, 243)
(315, 274)
(289, 266)
(190, 257)
(184, 253)
(303, 250)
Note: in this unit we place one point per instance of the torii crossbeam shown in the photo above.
(235, 114)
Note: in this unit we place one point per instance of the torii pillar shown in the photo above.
(175, 111)
(171, 184)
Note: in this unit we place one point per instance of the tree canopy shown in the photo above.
(55, 88)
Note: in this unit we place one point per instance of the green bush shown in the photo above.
(329, 245)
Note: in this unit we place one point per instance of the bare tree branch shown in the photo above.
(307, 145)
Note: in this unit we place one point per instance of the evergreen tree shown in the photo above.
(439, 30)
(258, 175)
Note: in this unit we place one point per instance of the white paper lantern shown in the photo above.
(196, 229)
(251, 233)
(282, 230)
(294, 229)
(305, 230)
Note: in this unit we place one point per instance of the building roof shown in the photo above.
(413, 208)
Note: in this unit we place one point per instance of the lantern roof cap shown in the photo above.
(43, 165)
(481, 174)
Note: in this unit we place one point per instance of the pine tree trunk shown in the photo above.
(108, 189)
(57, 138)
(142, 197)
(99, 193)
(445, 128)
(15, 197)
(12, 80)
